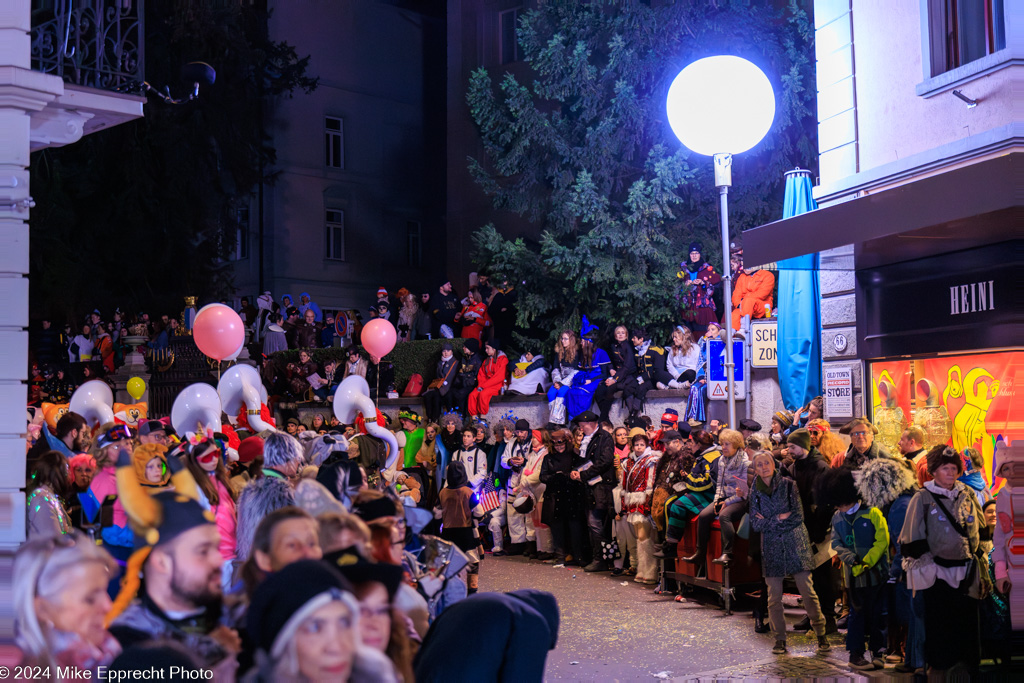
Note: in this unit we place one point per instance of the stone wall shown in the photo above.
(839, 317)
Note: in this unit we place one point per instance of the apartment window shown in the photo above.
(335, 235)
(963, 31)
(509, 46)
(414, 242)
(334, 142)
(242, 233)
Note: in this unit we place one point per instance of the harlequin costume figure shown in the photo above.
(489, 379)
(751, 290)
(698, 305)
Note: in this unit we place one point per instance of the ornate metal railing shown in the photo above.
(95, 43)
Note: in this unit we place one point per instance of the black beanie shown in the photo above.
(375, 509)
(494, 343)
(522, 424)
(284, 593)
(835, 487)
(472, 344)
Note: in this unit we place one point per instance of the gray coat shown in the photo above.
(785, 547)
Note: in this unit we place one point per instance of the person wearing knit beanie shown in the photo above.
(800, 437)
(784, 418)
(296, 595)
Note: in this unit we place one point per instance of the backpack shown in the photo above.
(414, 387)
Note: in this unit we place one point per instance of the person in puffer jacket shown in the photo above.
(860, 537)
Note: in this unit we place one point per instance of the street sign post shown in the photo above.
(718, 382)
(764, 345)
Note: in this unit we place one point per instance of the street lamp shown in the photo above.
(720, 106)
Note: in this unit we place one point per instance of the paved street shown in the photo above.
(615, 632)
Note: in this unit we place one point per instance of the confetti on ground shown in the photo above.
(558, 566)
(624, 583)
(573, 663)
(663, 674)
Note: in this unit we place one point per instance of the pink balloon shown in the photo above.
(218, 331)
(378, 337)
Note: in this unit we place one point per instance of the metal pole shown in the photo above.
(723, 180)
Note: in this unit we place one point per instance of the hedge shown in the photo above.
(408, 358)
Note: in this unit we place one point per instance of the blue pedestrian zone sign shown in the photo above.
(717, 381)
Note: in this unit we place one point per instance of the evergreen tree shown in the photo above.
(144, 213)
(585, 152)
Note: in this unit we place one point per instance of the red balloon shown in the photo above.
(378, 337)
(218, 331)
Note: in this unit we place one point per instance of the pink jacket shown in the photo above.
(105, 484)
(227, 522)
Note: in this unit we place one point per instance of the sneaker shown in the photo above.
(661, 385)
(842, 621)
(618, 571)
(823, 645)
(893, 659)
(499, 553)
(860, 664)
(596, 566)
(780, 647)
(674, 384)
(544, 557)
(878, 659)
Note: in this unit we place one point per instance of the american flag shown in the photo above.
(489, 496)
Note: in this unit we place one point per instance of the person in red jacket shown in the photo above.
(752, 291)
(489, 379)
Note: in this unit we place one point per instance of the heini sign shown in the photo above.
(977, 296)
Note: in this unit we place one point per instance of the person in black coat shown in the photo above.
(512, 634)
(444, 306)
(465, 378)
(623, 358)
(380, 375)
(650, 369)
(440, 396)
(565, 499)
(598, 473)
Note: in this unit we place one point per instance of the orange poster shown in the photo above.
(973, 398)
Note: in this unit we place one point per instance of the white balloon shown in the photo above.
(240, 386)
(94, 401)
(197, 404)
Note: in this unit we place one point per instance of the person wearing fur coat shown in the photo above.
(637, 491)
(777, 514)
(889, 486)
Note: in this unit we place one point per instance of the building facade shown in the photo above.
(919, 225)
(357, 197)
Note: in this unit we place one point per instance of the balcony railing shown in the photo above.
(94, 43)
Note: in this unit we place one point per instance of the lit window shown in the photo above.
(335, 235)
(963, 31)
(334, 142)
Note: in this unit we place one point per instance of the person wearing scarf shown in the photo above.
(638, 474)
(701, 278)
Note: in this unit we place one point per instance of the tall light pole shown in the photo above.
(720, 106)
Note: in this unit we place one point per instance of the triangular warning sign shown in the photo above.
(719, 390)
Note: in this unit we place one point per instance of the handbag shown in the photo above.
(743, 530)
(415, 386)
(610, 550)
(556, 411)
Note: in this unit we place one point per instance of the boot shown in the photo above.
(668, 549)
(596, 566)
(803, 625)
(724, 558)
(516, 548)
(759, 625)
(696, 558)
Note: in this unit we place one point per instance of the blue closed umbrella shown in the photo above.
(799, 335)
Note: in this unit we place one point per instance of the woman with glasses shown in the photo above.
(565, 501)
(60, 602)
(381, 626)
(48, 485)
(305, 622)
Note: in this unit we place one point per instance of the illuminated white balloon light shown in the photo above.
(721, 105)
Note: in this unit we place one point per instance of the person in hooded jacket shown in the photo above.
(438, 395)
(489, 378)
(806, 466)
(777, 514)
(513, 633)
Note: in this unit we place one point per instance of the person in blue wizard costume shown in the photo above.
(593, 365)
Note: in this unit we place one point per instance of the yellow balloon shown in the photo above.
(136, 387)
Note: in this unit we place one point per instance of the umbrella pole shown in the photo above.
(723, 180)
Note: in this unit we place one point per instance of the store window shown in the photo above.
(334, 142)
(335, 235)
(964, 31)
(965, 400)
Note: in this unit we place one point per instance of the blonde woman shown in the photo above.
(567, 353)
(60, 602)
(681, 359)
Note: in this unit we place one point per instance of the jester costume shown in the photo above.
(697, 303)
